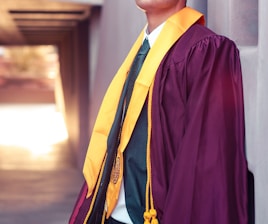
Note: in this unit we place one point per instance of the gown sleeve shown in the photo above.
(206, 181)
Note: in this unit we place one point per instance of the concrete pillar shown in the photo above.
(244, 22)
(219, 16)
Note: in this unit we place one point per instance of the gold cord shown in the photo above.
(150, 214)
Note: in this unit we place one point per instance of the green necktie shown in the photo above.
(135, 69)
(114, 135)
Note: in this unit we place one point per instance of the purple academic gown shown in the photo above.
(199, 170)
(197, 145)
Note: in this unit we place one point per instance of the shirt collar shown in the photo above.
(153, 35)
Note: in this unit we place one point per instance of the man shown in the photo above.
(174, 153)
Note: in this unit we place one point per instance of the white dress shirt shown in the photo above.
(120, 212)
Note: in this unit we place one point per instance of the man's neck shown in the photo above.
(155, 18)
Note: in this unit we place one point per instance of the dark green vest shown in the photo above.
(135, 171)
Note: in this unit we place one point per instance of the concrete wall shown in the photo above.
(74, 69)
(244, 21)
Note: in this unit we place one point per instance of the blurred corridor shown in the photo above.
(39, 182)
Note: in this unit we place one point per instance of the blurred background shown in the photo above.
(39, 179)
(40, 176)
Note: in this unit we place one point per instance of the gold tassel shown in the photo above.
(153, 215)
(147, 217)
(150, 216)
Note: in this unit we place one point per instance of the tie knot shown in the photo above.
(145, 47)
